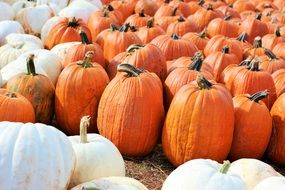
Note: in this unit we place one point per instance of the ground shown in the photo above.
(153, 169)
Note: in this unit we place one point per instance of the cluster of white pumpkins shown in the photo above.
(38, 156)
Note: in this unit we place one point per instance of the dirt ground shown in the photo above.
(153, 169)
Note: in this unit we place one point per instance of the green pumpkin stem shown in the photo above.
(174, 36)
(113, 27)
(257, 43)
(125, 28)
(90, 188)
(150, 23)
(270, 54)
(198, 55)
(226, 49)
(84, 38)
(196, 64)
(225, 167)
(246, 62)
(254, 65)
(259, 95)
(84, 124)
(73, 23)
(277, 32)
(129, 69)
(87, 61)
(203, 34)
(31, 70)
(203, 83)
(242, 37)
(132, 48)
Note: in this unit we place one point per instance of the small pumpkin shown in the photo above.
(96, 156)
(9, 27)
(7, 12)
(277, 183)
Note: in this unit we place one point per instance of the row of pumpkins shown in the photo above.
(205, 77)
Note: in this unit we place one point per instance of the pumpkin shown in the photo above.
(1, 80)
(199, 39)
(253, 126)
(38, 89)
(9, 27)
(269, 41)
(243, 5)
(249, 79)
(139, 19)
(15, 38)
(166, 10)
(46, 63)
(17, 104)
(191, 137)
(128, 96)
(48, 26)
(149, 7)
(271, 63)
(217, 43)
(114, 182)
(21, 4)
(219, 61)
(125, 7)
(242, 39)
(97, 3)
(279, 81)
(229, 11)
(164, 21)
(149, 32)
(253, 27)
(27, 150)
(181, 26)
(222, 26)
(96, 156)
(182, 6)
(101, 20)
(275, 150)
(60, 3)
(180, 76)
(169, 44)
(277, 183)
(116, 41)
(60, 50)
(77, 52)
(7, 12)
(201, 174)
(112, 66)
(252, 171)
(34, 18)
(279, 50)
(66, 30)
(78, 91)
(257, 49)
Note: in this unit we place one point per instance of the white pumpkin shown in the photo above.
(86, 3)
(79, 9)
(60, 3)
(1, 82)
(9, 27)
(271, 183)
(34, 156)
(96, 156)
(10, 2)
(7, 12)
(19, 5)
(113, 183)
(46, 63)
(11, 51)
(252, 171)
(47, 27)
(201, 174)
(61, 49)
(26, 38)
(34, 18)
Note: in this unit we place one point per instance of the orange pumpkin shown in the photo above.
(256, 50)
(279, 81)
(199, 39)
(181, 27)
(36, 88)
(279, 50)
(149, 7)
(191, 130)
(133, 93)
(66, 30)
(243, 5)
(269, 41)
(139, 19)
(271, 63)
(78, 91)
(222, 26)
(15, 107)
(253, 126)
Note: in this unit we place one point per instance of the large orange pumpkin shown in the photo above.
(37, 88)
(222, 26)
(181, 26)
(279, 81)
(78, 91)
(131, 111)
(199, 123)
(199, 39)
(269, 41)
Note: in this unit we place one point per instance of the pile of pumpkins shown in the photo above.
(205, 78)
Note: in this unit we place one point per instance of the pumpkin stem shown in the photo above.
(258, 16)
(110, 7)
(210, 7)
(246, 62)
(203, 83)
(150, 23)
(105, 13)
(166, 1)
(254, 65)
(226, 49)
(196, 64)
(141, 13)
(174, 11)
(257, 42)
(84, 124)
(125, 27)
(201, 3)
(225, 167)
(259, 95)
(174, 36)
(11, 95)
(73, 23)
(31, 65)
(198, 55)
(133, 28)
(242, 37)
(270, 54)
(84, 38)
(132, 48)
(90, 188)
(113, 27)
(129, 69)
(203, 33)
(87, 61)
(180, 19)
(228, 17)
(277, 32)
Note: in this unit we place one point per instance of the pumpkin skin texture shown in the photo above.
(252, 171)
(279, 50)
(27, 166)
(114, 182)
(66, 30)
(271, 63)
(222, 26)
(37, 88)
(181, 26)
(188, 138)
(269, 41)
(253, 126)
(201, 174)
(96, 156)
(137, 94)
(279, 81)
(78, 91)
(199, 39)
(139, 19)
(275, 150)
(276, 183)
(17, 104)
